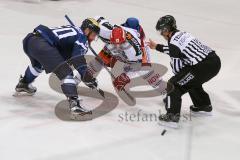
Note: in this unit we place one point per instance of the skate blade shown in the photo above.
(173, 125)
(81, 116)
(22, 94)
(201, 114)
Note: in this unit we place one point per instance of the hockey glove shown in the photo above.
(121, 81)
(89, 80)
(92, 84)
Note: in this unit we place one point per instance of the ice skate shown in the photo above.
(24, 88)
(201, 111)
(169, 120)
(76, 110)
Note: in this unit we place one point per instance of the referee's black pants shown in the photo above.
(190, 80)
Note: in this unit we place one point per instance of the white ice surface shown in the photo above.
(29, 129)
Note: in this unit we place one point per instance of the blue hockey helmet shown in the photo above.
(133, 23)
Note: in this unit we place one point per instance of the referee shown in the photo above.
(192, 63)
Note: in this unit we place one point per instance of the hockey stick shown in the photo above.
(69, 20)
(101, 61)
(101, 92)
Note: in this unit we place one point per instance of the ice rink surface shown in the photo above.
(30, 130)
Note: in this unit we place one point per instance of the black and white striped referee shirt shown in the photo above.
(184, 50)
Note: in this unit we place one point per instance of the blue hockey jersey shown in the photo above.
(69, 40)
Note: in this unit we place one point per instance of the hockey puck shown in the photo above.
(163, 132)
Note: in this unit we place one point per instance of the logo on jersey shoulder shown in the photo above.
(129, 36)
(182, 38)
(182, 41)
(179, 36)
(133, 41)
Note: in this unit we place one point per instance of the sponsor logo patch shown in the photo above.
(186, 79)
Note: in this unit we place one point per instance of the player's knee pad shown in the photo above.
(63, 70)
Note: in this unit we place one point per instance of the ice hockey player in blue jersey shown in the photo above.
(55, 50)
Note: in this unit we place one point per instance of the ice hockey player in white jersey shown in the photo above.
(125, 43)
(193, 64)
